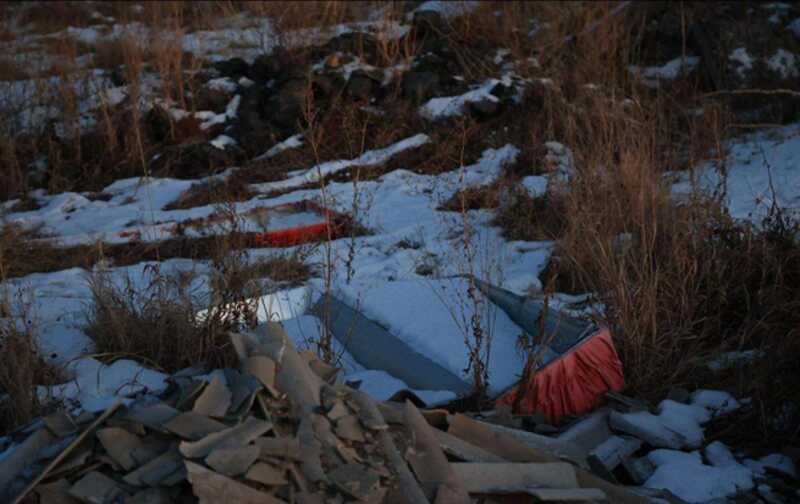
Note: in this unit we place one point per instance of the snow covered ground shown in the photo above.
(761, 170)
(400, 274)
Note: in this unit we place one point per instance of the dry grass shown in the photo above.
(23, 252)
(155, 320)
(155, 324)
(220, 191)
(678, 280)
(24, 369)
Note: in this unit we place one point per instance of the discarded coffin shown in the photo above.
(579, 361)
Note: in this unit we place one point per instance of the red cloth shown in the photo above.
(292, 236)
(575, 382)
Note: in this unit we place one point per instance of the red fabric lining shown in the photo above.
(575, 382)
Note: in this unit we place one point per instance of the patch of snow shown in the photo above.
(743, 61)
(114, 96)
(448, 9)
(306, 331)
(372, 157)
(677, 425)
(292, 142)
(211, 119)
(414, 310)
(784, 63)
(382, 386)
(774, 461)
(97, 386)
(653, 76)
(761, 170)
(685, 475)
(777, 6)
(684, 419)
(535, 185)
(225, 84)
(222, 141)
(283, 305)
(449, 106)
(794, 27)
(560, 161)
(500, 55)
(728, 360)
(718, 402)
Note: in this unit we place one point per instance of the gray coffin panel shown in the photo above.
(376, 348)
(525, 313)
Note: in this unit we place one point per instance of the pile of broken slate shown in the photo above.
(284, 428)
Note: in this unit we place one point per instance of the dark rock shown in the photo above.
(277, 65)
(284, 110)
(294, 88)
(359, 44)
(420, 85)
(159, 124)
(680, 395)
(705, 44)
(502, 91)
(485, 108)
(192, 160)
(429, 22)
(117, 76)
(211, 99)
(327, 85)
(253, 128)
(360, 86)
(234, 67)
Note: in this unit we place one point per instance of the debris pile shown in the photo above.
(283, 428)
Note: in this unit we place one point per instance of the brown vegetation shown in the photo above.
(24, 368)
(681, 282)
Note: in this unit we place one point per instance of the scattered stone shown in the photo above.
(356, 480)
(485, 108)
(234, 67)
(419, 86)
(233, 461)
(60, 424)
(168, 465)
(610, 454)
(213, 488)
(240, 435)
(283, 447)
(267, 474)
(124, 448)
(349, 428)
(96, 488)
(193, 426)
(648, 428)
(214, 401)
(360, 86)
